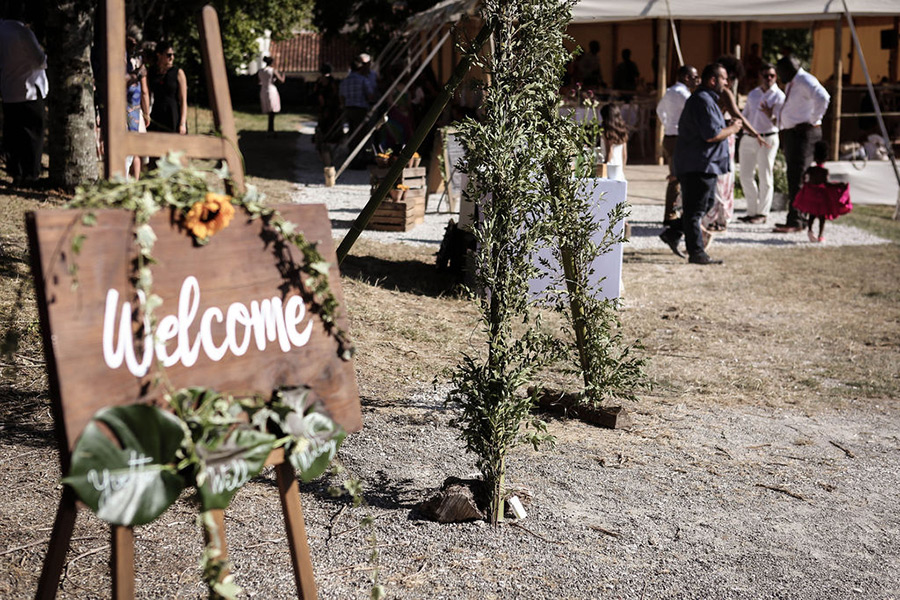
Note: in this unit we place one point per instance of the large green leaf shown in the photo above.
(230, 465)
(135, 483)
(319, 440)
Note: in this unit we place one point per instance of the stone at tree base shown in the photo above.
(568, 405)
(454, 503)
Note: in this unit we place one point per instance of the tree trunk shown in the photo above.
(72, 124)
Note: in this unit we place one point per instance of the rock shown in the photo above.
(454, 503)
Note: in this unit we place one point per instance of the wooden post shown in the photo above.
(288, 491)
(662, 72)
(121, 562)
(55, 559)
(415, 141)
(838, 89)
(894, 58)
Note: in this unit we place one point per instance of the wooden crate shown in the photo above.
(399, 216)
(414, 178)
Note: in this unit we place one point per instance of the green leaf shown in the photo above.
(135, 482)
(145, 236)
(319, 440)
(227, 467)
(78, 242)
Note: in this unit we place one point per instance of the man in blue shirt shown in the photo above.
(701, 154)
(357, 93)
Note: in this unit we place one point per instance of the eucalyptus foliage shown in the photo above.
(609, 366)
(504, 157)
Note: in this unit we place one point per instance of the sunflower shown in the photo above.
(206, 218)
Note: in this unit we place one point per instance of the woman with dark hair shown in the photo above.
(614, 141)
(168, 85)
(268, 93)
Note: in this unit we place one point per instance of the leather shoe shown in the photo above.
(757, 219)
(672, 242)
(787, 228)
(704, 259)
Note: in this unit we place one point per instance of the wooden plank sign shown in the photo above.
(233, 318)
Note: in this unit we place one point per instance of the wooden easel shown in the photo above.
(121, 143)
(71, 416)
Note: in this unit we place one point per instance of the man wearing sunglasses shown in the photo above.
(762, 101)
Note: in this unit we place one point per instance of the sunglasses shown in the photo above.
(170, 54)
(769, 75)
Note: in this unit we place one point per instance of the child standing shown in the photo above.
(819, 198)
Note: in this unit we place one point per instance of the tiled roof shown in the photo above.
(306, 51)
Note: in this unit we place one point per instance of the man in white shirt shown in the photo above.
(669, 111)
(23, 85)
(800, 121)
(762, 102)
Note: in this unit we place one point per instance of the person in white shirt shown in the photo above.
(23, 85)
(762, 102)
(800, 122)
(669, 111)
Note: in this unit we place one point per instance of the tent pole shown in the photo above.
(878, 115)
(838, 92)
(418, 136)
(662, 72)
(675, 35)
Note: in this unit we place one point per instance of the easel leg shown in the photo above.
(59, 545)
(288, 490)
(121, 562)
(218, 517)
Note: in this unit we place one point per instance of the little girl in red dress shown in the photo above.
(819, 198)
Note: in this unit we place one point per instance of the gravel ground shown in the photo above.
(346, 199)
(696, 501)
(691, 503)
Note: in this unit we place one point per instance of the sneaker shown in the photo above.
(704, 259)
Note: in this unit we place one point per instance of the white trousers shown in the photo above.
(754, 157)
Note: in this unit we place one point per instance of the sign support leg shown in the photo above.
(121, 562)
(289, 491)
(59, 546)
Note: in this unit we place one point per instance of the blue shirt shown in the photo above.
(701, 120)
(356, 90)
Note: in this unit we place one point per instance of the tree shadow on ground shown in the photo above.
(270, 156)
(409, 276)
(22, 414)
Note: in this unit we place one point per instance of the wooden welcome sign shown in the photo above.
(235, 316)
(231, 319)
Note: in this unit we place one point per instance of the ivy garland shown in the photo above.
(185, 191)
(211, 442)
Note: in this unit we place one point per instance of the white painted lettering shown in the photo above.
(265, 321)
(167, 329)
